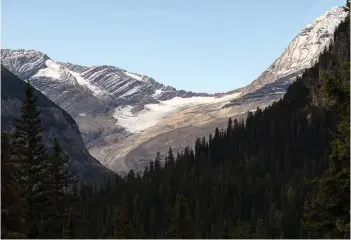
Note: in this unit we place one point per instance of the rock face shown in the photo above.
(125, 118)
(56, 123)
(302, 52)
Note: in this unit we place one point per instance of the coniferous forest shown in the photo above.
(282, 172)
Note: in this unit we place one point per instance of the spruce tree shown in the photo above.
(170, 158)
(69, 228)
(327, 213)
(241, 230)
(181, 223)
(12, 215)
(31, 153)
(60, 178)
(121, 227)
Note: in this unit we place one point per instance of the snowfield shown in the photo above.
(132, 75)
(152, 114)
(53, 70)
(82, 81)
(157, 93)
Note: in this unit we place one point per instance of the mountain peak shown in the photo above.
(334, 11)
(303, 51)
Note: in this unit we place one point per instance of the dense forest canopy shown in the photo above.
(283, 172)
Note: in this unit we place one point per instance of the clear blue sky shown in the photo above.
(197, 45)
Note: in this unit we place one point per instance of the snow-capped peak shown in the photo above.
(304, 50)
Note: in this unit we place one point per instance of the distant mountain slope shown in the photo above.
(92, 95)
(118, 111)
(302, 52)
(56, 123)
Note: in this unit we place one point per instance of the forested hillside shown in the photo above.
(283, 172)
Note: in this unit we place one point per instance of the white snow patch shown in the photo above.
(152, 114)
(82, 114)
(132, 75)
(157, 93)
(53, 70)
(131, 92)
(82, 81)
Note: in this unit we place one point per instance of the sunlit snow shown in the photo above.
(304, 50)
(53, 70)
(152, 114)
(157, 93)
(82, 81)
(131, 92)
(132, 75)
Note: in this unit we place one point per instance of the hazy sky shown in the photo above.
(202, 46)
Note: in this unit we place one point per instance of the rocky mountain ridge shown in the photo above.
(125, 118)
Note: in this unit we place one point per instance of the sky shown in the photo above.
(195, 45)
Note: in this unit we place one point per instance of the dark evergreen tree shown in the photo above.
(121, 227)
(181, 223)
(60, 178)
(31, 153)
(69, 228)
(12, 214)
(328, 212)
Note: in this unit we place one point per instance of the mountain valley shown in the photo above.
(125, 118)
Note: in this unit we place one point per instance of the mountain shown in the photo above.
(109, 104)
(303, 51)
(56, 123)
(126, 117)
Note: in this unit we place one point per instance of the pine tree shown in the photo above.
(59, 180)
(170, 158)
(260, 229)
(31, 153)
(181, 223)
(157, 163)
(12, 215)
(328, 212)
(69, 228)
(347, 5)
(241, 230)
(121, 227)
